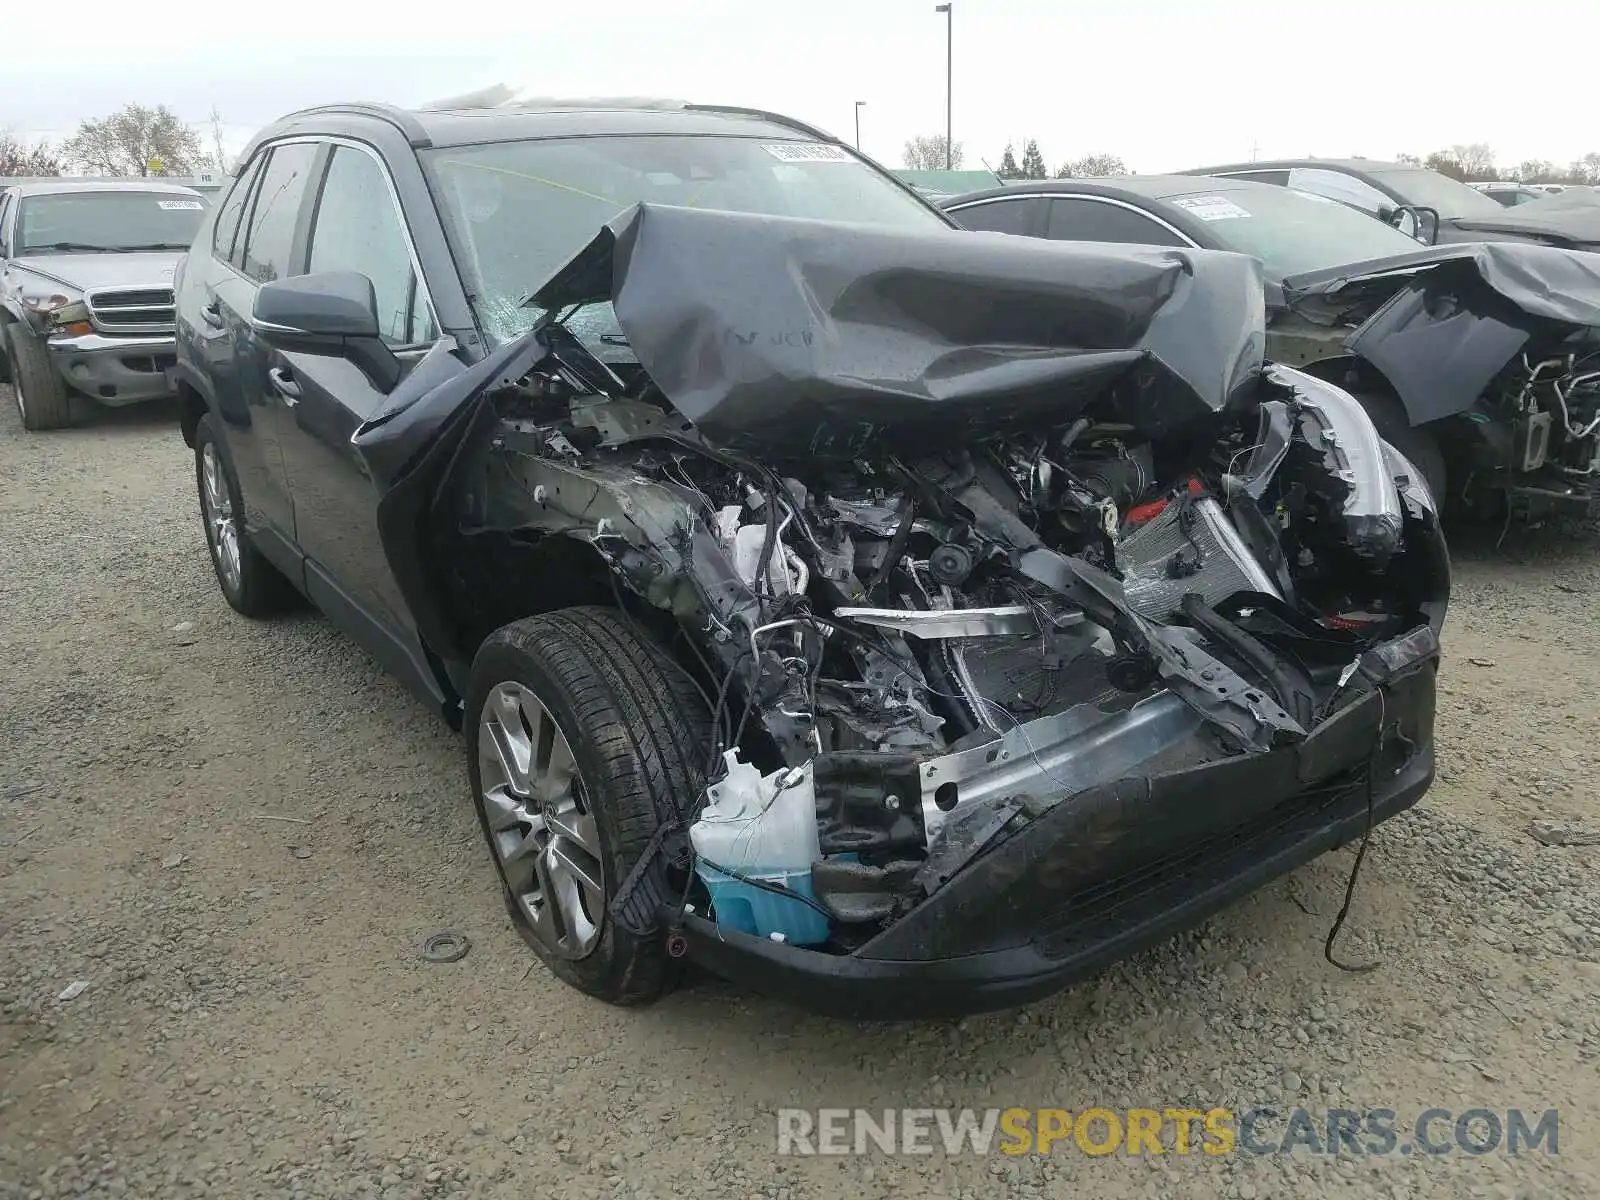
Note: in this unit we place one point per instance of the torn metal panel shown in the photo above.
(806, 338)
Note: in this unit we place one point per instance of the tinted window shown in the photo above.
(1448, 197)
(1291, 231)
(1096, 221)
(357, 229)
(1276, 178)
(72, 222)
(227, 226)
(1336, 185)
(999, 216)
(272, 217)
(518, 210)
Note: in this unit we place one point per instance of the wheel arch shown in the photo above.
(192, 407)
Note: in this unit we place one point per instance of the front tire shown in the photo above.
(583, 739)
(43, 401)
(249, 583)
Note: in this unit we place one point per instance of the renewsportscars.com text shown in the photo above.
(1134, 1131)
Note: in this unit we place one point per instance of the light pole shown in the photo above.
(949, 72)
(860, 104)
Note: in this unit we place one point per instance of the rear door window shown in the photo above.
(1075, 219)
(226, 231)
(1001, 216)
(275, 211)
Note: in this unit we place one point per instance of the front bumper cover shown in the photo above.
(1109, 872)
(115, 370)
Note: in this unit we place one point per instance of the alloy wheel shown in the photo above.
(544, 835)
(221, 529)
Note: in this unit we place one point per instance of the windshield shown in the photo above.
(82, 222)
(1448, 197)
(1293, 232)
(518, 211)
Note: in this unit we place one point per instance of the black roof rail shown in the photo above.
(404, 121)
(775, 118)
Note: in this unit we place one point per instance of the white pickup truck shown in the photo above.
(86, 291)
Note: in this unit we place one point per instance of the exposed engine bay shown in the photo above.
(1495, 349)
(1542, 415)
(914, 637)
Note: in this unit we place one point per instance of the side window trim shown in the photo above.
(419, 284)
(1113, 202)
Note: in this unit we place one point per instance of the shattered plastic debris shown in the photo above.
(73, 990)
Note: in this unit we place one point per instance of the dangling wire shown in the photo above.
(1361, 852)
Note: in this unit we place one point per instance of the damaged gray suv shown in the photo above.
(895, 619)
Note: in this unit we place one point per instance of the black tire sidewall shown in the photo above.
(243, 599)
(48, 401)
(621, 963)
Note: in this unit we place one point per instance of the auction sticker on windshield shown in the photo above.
(1211, 208)
(808, 152)
(183, 205)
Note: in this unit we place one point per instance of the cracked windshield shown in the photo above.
(522, 209)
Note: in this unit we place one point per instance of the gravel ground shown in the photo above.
(238, 833)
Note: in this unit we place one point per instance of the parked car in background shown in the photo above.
(86, 292)
(937, 184)
(1481, 364)
(817, 608)
(1429, 206)
(1509, 195)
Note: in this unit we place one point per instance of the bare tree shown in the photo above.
(926, 153)
(1092, 166)
(1587, 168)
(16, 158)
(1476, 159)
(1445, 163)
(1410, 160)
(1536, 170)
(219, 156)
(136, 140)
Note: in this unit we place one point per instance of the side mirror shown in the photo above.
(333, 304)
(333, 313)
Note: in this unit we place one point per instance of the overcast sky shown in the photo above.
(1162, 83)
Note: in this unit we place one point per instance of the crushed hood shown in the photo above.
(796, 337)
(1543, 281)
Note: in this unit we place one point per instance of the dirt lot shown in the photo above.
(239, 833)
